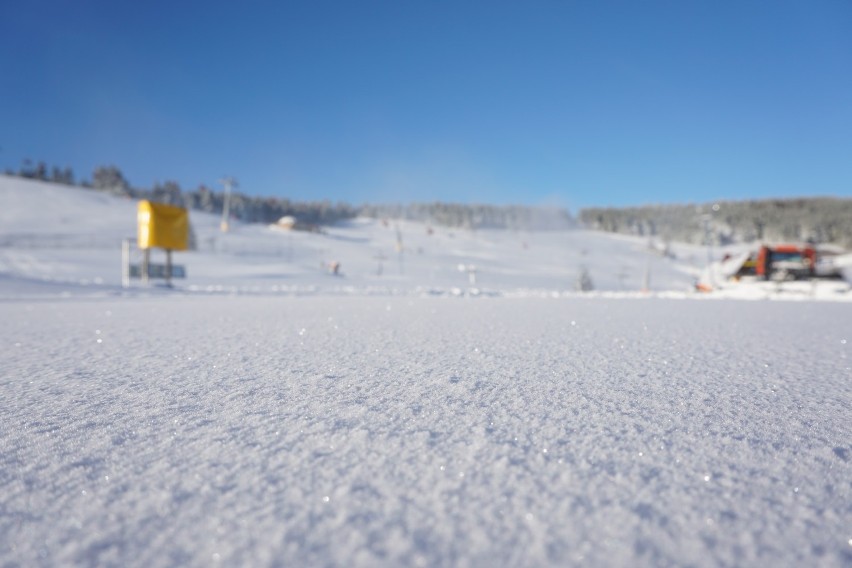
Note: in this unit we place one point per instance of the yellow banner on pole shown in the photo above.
(163, 226)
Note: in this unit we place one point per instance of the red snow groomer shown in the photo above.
(786, 262)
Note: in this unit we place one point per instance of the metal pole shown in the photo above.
(169, 268)
(710, 272)
(228, 182)
(125, 263)
(146, 258)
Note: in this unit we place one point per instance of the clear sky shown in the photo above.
(569, 102)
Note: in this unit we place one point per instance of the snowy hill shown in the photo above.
(58, 237)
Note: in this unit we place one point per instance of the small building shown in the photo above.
(290, 223)
(287, 222)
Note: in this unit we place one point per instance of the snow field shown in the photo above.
(57, 240)
(368, 431)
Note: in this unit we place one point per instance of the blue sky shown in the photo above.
(576, 103)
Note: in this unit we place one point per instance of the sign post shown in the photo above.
(159, 226)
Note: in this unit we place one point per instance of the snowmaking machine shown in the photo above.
(785, 262)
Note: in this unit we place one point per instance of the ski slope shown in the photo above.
(68, 240)
(267, 413)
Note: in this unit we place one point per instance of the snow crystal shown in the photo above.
(103, 414)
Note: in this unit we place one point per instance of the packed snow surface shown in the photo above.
(388, 431)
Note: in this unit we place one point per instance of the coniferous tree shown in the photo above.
(110, 178)
(168, 192)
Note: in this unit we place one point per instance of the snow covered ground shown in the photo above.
(66, 240)
(252, 431)
(267, 413)
(58, 241)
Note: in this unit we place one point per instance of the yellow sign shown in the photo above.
(163, 226)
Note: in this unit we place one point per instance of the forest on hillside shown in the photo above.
(475, 216)
(253, 209)
(816, 219)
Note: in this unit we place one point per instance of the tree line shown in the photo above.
(817, 219)
(253, 209)
(814, 219)
(249, 209)
(474, 216)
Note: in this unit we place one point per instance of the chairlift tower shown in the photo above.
(229, 183)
